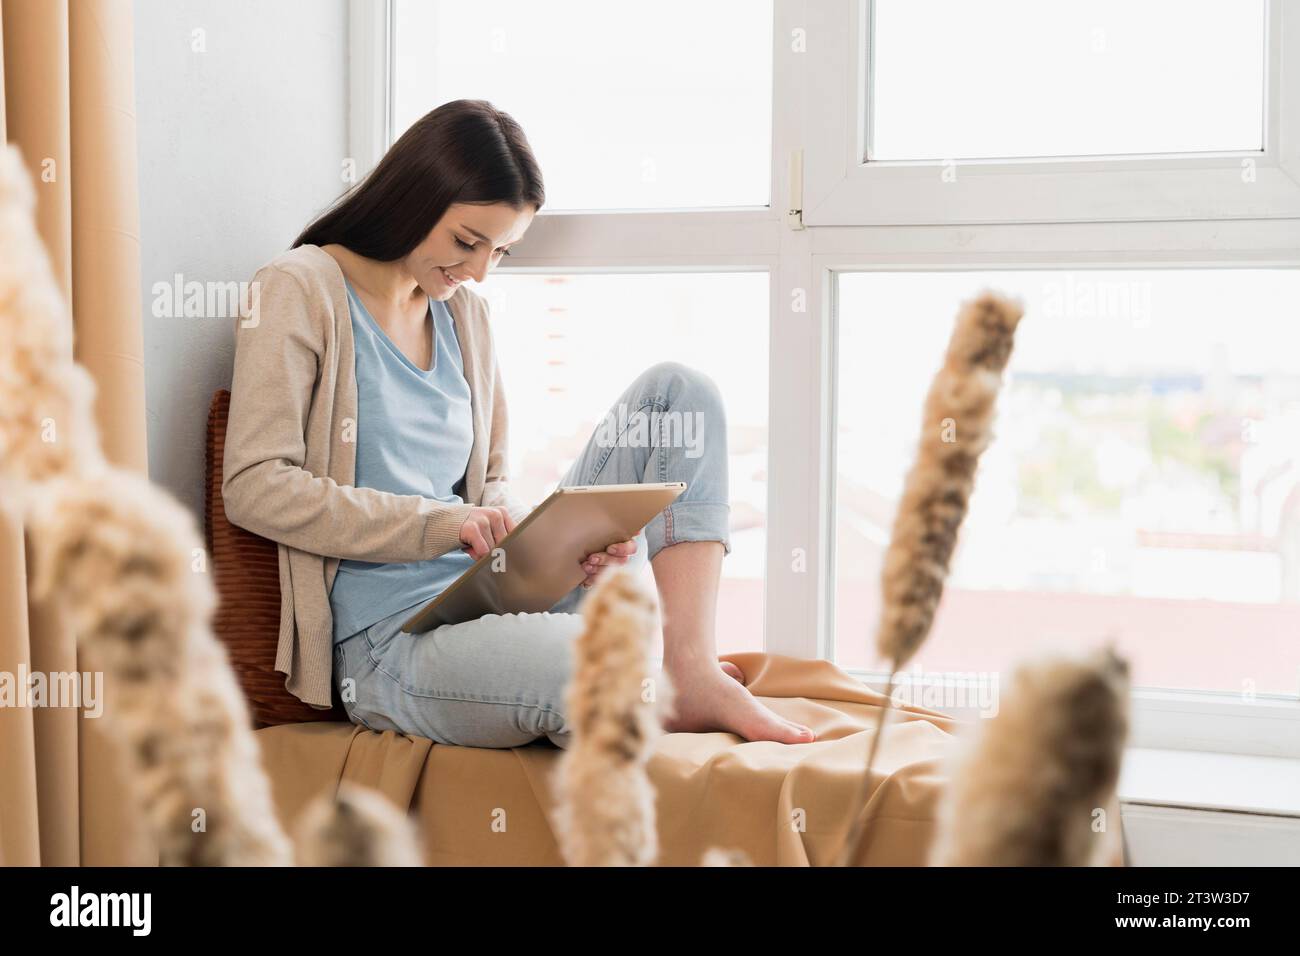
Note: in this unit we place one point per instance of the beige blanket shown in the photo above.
(781, 804)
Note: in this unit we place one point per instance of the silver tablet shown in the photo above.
(540, 561)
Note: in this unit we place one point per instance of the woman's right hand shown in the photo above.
(483, 528)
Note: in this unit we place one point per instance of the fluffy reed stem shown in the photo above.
(1037, 781)
(131, 573)
(956, 429)
(355, 827)
(606, 813)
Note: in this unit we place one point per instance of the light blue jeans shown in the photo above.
(500, 680)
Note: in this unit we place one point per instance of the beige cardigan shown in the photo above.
(290, 453)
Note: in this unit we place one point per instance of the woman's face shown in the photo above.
(467, 241)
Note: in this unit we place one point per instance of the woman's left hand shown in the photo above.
(597, 561)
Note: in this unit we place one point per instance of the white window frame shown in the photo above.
(844, 189)
(1268, 725)
(370, 82)
(802, 258)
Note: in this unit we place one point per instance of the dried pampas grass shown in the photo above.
(123, 555)
(956, 428)
(606, 814)
(127, 561)
(1030, 788)
(356, 827)
(47, 427)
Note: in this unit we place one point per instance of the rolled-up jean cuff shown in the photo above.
(689, 521)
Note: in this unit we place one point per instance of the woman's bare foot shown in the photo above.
(710, 695)
(708, 699)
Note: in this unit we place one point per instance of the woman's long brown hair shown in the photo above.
(465, 151)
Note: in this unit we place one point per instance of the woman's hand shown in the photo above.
(483, 528)
(615, 554)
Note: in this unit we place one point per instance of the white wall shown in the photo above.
(239, 147)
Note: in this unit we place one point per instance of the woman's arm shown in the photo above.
(265, 487)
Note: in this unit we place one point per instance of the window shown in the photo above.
(858, 167)
(942, 111)
(570, 344)
(627, 106)
(1023, 78)
(1144, 484)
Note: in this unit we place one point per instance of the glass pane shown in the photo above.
(627, 106)
(570, 345)
(954, 79)
(1144, 482)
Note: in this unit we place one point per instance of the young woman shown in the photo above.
(367, 435)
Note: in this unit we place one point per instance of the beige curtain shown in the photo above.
(68, 103)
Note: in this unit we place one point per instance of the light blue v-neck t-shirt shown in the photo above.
(414, 434)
